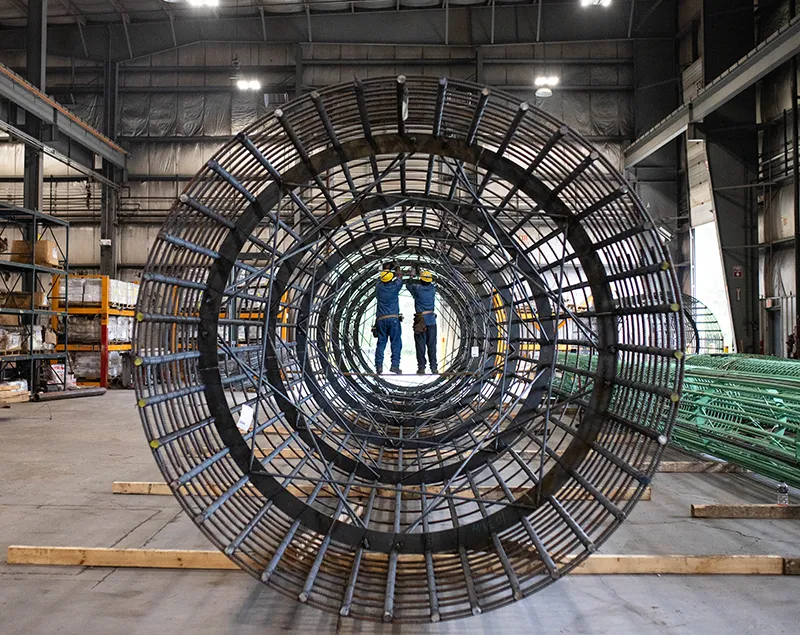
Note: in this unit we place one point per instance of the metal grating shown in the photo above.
(361, 495)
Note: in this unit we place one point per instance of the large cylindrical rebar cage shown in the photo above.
(408, 498)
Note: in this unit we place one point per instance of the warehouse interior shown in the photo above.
(197, 199)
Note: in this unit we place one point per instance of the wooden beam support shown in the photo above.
(694, 467)
(756, 512)
(151, 488)
(597, 564)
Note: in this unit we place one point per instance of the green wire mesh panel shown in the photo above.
(744, 409)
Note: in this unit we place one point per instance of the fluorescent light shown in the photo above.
(204, 3)
(248, 84)
(595, 3)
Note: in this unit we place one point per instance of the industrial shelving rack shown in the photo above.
(104, 310)
(35, 281)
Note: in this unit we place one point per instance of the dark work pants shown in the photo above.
(426, 342)
(388, 329)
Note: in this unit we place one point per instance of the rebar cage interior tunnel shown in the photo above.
(358, 493)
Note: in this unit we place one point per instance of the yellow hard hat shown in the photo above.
(426, 276)
(387, 276)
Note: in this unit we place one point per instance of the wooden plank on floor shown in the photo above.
(600, 564)
(693, 467)
(597, 564)
(151, 488)
(137, 558)
(757, 512)
(10, 397)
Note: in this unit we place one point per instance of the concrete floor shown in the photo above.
(57, 462)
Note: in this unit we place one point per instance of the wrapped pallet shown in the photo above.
(84, 330)
(120, 329)
(116, 292)
(92, 291)
(87, 365)
(71, 291)
(123, 329)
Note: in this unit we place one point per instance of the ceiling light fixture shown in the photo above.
(248, 84)
(545, 84)
(204, 3)
(595, 3)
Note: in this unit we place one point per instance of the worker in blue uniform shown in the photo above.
(424, 294)
(387, 324)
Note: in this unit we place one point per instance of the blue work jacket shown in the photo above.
(424, 299)
(386, 293)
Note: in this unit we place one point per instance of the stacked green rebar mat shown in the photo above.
(743, 409)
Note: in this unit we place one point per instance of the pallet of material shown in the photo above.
(14, 396)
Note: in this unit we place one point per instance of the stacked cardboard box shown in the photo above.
(11, 339)
(45, 252)
(16, 339)
(44, 339)
(22, 300)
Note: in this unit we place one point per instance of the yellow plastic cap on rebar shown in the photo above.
(426, 276)
(387, 276)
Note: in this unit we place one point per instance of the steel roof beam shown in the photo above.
(765, 58)
(33, 101)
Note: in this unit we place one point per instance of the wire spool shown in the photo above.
(359, 494)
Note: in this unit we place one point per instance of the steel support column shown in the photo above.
(36, 64)
(656, 95)
(796, 186)
(108, 214)
(298, 70)
(731, 143)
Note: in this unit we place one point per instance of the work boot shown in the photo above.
(420, 371)
(379, 370)
(396, 370)
(434, 371)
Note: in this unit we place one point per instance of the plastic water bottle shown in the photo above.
(783, 494)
